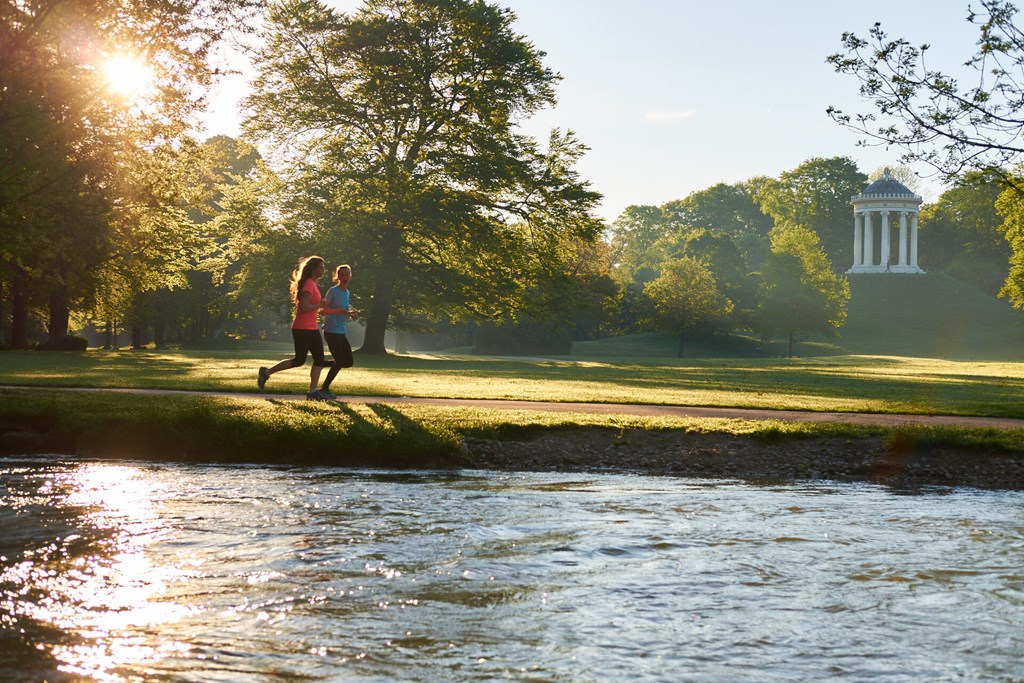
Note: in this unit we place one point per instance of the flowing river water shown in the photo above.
(128, 571)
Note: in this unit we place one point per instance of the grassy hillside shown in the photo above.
(930, 316)
(926, 316)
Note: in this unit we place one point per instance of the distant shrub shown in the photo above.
(69, 343)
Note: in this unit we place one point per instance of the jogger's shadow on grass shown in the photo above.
(394, 440)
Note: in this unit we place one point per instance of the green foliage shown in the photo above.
(596, 298)
(398, 124)
(635, 238)
(817, 195)
(67, 343)
(685, 297)
(725, 209)
(963, 232)
(1010, 205)
(720, 253)
(91, 202)
(799, 292)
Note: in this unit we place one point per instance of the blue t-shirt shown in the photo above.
(336, 297)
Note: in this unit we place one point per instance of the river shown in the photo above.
(130, 571)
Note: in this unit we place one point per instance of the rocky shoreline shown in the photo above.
(677, 453)
(723, 456)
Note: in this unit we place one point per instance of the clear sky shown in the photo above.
(674, 96)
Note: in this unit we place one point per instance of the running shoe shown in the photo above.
(262, 377)
(328, 394)
(316, 395)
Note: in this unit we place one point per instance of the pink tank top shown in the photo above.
(307, 321)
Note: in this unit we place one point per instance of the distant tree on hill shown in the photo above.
(816, 194)
(727, 209)
(685, 297)
(799, 293)
(963, 233)
(720, 253)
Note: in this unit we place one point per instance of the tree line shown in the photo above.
(391, 139)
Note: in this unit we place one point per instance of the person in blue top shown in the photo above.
(335, 311)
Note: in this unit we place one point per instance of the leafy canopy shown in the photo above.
(686, 296)
(800, 294)
(397, 132)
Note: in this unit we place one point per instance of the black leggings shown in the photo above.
(341, 350)
(308, 342)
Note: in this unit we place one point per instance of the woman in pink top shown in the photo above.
(305, 333)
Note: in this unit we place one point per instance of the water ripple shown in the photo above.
(124, 572)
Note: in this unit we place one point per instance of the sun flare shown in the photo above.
(127, 76)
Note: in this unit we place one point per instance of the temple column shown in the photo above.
(869, 241)
(858, 240)
(886, 242)
(913, 240)
(903, 238)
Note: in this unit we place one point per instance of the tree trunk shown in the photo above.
(682, 341)
(136, 337)
(19, 309)
(790, 344)
(3, 299)
(158, 336)
(108, 335)
(59, 315)
(376, 325)
(380, 308)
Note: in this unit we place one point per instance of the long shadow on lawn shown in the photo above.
(398, 442)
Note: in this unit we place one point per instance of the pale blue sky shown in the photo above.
(673, 96)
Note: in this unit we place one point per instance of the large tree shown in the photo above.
(952, 126)
(397, 129)
(720, 253)
(799, 292)
(81, 157)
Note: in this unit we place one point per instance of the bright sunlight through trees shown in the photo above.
(128, 76)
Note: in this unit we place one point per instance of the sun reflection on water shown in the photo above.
(97, 581)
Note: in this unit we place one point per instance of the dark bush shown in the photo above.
(69, 343)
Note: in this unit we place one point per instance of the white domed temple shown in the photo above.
(893, 208)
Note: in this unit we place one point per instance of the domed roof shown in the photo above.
(887, 186)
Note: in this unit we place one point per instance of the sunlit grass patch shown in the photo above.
(838, 383)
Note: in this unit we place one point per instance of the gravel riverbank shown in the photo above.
(720, 456)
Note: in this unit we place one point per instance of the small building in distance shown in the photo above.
(886, 208)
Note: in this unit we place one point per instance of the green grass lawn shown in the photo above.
(828, 383)
(253, 429)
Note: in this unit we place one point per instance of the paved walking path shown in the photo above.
(885, 419)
